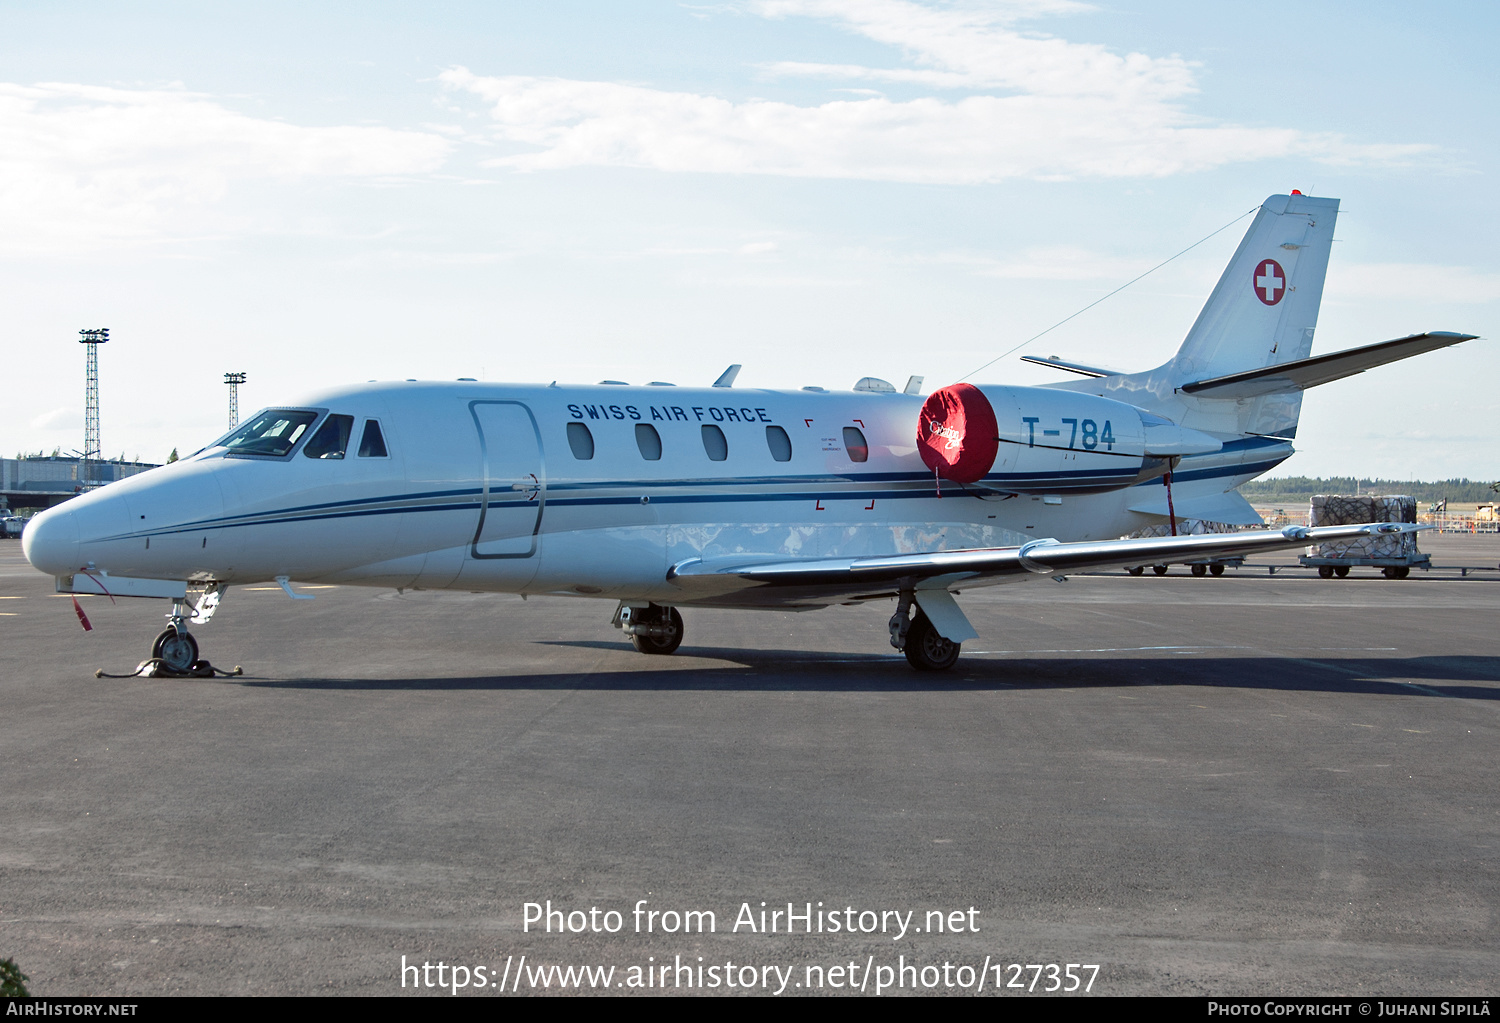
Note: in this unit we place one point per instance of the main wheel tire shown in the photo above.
(1216, 569)
(177, 650)
(1342, 571)
(1159, 569)
(1325, 571)
(1200, 570)
(661, 644)
(1137, 570)
(926, 650)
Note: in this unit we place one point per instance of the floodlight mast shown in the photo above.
(92, 339)
(234, 380)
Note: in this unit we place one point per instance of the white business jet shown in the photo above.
(660, 497)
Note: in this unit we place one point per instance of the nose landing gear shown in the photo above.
(174, 653)
(177, 651)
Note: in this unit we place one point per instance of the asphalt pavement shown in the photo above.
(1254, 784)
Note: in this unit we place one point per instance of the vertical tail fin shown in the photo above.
(1262, 312)
(1264, 309)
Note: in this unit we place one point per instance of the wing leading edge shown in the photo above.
(826, 580)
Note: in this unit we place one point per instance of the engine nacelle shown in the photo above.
(1034, 440)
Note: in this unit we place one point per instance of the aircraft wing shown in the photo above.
(1321, 369)
(818, 581)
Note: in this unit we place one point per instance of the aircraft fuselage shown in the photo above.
(486, 487)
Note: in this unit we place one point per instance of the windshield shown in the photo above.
(273, 432)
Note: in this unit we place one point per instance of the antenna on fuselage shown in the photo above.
(726, 378)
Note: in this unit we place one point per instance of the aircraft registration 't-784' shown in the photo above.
(659, 497)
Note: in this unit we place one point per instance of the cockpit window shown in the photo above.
(332, 438)
(372, 442)
(273, 432)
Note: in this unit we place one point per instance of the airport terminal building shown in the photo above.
(42, 481)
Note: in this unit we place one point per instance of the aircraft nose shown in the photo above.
(51, 541)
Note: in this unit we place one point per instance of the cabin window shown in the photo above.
(271, 433)
(779, 443)
(855, 444)
(332, 438)
(372, 441)
(581, 441)
(649, 441)
(714, 443)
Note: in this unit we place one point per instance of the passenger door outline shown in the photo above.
(507, 474)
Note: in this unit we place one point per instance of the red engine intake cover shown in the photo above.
(957, 433)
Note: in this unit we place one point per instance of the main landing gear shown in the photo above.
(655, 629)
(652, 629)
(914, 635)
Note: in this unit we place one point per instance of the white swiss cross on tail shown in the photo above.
(1270, 281)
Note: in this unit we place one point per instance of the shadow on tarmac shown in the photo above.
(787, 670)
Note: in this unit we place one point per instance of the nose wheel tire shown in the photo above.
(668, 616)
(176, 650)
(926, 650)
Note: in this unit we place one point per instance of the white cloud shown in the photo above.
(1426, 282)
(975, 45)
(84, 166)
(58, 419)
(1037, 107)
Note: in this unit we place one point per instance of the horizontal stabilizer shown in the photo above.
(1321, 369)
(1231, 508)
(1072, 367)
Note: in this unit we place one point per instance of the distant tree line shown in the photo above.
(1290, 489)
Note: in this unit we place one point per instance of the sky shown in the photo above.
(649, 190)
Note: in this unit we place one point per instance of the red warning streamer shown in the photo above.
(83, 619)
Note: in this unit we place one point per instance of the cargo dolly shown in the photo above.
(1391, 568)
